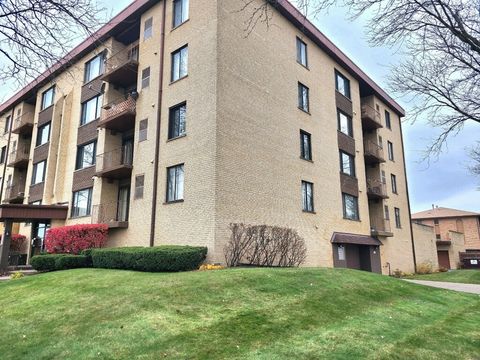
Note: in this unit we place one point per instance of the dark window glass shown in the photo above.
(303, 101)
(86, 155)
(82, 203)
(91, 110)
(175, 181)
(38, 174)
(387, 120)
(148, 29)
(390, 151)
(43, 134)
(94, 68)
(143, 130)
(350, 207)
(307, 196)
(146, 78)
(394, 183)
(177, 120)
(302, 52)
(305, 145)
(179, 63)
(344, 123)
(8, 124)
(139, 185)
(180, 12)
(387, 212)
(47, 98)
(398, 223)
(342, 84)
(347, 163)
(3, 154)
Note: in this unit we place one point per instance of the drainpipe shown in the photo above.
(408, 201)
(7, 151)
(157, 135)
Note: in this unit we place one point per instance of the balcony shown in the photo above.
(122, 68)
(19, 158)
(23, 125)
(119, 115)
(376, 190)
(114, 214)
(371, 118)
(380, 227)
(373, 153)
(14, 194)
(115, 164)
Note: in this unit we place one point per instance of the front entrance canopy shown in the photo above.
(26, 213)
(345, 238)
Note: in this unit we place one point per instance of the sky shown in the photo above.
(445, 181)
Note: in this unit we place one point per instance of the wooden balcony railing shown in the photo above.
(373, 152)
(371, 117)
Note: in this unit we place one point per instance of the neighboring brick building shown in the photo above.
(446, 222)
(170, 124)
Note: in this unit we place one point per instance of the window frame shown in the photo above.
(80, 156)
(8, 124)
(351, 164)
(398, 221)
(388, 120)
(35, 172)
(148, 30)
(386, 212)
(349, 122)
(145, 81)
(179, 51)
(3, 154)
(88, 210)
(178, 195)
(393, 180)
(40, 132)
(346, 81)
(139, 186)
(306, 185)
(43, 106)
(143, 130)
(305, 155)
(98, 109)
(302, 50)
(87, 79)
(172, 121)
(356, 210)
(391, 156)
(303, 97)
(183, 18)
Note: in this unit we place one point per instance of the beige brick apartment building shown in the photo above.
(172, 123)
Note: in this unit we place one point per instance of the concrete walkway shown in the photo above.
(467, 288)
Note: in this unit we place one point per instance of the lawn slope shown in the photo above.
(460, 276)
(233, 314)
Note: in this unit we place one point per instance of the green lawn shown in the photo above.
(234, 314)
(460, 276)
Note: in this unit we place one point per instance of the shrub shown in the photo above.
(211, 267)
(262, 245)
(44, 262)
(424, 268)
(398, 273)
(17, 275)
(88, 254)
(52, 262)
(17, 242)
(74, 239)
(153, 259)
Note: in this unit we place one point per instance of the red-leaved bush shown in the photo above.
(17, 242)
(73, 239)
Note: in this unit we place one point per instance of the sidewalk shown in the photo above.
(467, 288)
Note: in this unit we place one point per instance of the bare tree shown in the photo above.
(440, 42)
(475, 156)
(35, 34)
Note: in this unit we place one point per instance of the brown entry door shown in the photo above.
(443, 259)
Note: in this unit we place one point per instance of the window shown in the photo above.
(177, 118)
(341, 252)
(179, 63)
(38, 175)
(47, 98)
(146, 78)
(307, 196)
(302, 52)
(143, 130)
(388, 122)
(387, 212)
(86, 155)
(344, 123)
(438, 236)
(398, 223)
(342, 84)
(180, 12)
(303, 101)
(435, 221)
(91, 110)
(384, 177)
(3, 154)
(390, 151)
(139, 184)
(175, 180)
(38, 202)
(43, 134)
(93, 68)
(82, 203)
(394, 183)
(148, 29)
(305, 145)
(8, 124)
(347, 164)
(350, 207)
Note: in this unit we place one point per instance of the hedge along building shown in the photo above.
(169, 124)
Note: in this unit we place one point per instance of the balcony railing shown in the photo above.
(373, 152)
(19, 157)
(122, 67)
(371, 117)
(15, 193)
(376, 189)
(117, 163)
(23, 124)
(119, 114)
(114, 214)
(380, 226)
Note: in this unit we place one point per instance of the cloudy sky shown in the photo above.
(444, 182)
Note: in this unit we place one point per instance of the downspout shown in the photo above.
(157, 135)
(7, 151)
(408, 200)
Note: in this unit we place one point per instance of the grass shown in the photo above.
(234, 314)
(459, 276)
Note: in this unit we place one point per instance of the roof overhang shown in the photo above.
(25, 212)
(345, 238)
